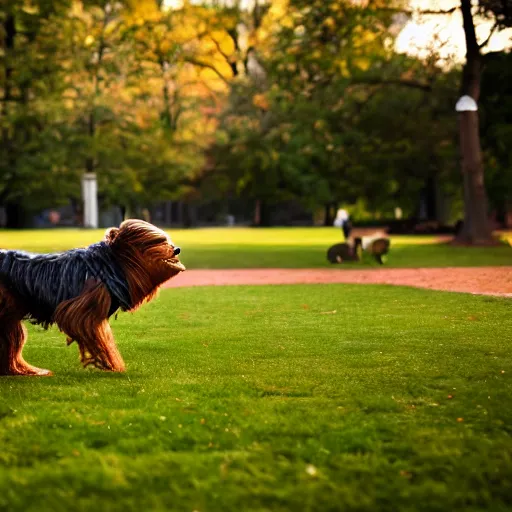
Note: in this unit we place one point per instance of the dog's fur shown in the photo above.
(338, 253)
(79, 290)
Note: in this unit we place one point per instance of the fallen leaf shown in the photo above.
(328, 312)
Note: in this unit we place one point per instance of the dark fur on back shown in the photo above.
(338, 253)
(43, 281)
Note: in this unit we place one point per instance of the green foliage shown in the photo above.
(496, 123)
(95, 86)
(301, 100)
(341, 117)
(320, 397)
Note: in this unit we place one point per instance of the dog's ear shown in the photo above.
(111, 235)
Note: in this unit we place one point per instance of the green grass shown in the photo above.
(271, 247)
(307, 397)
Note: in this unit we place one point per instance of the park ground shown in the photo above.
(291, 397)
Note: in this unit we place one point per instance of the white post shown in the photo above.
(90, 199)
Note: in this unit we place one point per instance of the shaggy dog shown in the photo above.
(79, 290)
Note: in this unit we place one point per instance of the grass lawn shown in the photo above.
(307, 397)
(271, 247)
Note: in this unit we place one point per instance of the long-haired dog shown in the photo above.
(79, 290)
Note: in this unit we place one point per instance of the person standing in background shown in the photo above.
(342, 221)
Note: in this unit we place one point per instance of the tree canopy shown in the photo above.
(283, 100)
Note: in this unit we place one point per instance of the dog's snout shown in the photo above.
(177, 250)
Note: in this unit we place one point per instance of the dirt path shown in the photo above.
(482, 280)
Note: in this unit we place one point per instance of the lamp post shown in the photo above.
(476, 227)
(90, 199)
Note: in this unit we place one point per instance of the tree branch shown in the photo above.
(448, 11)
(418, 11)
(196, 62)
(469, 29)
(486, 42)
(231, 64)
(413, 84)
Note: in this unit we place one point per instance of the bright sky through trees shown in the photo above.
(420, 34)
(443, 33)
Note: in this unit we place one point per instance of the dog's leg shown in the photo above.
(12, 338)
(84, 320)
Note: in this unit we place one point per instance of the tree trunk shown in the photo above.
(477, 229)
(266, 218)
(257, 213)
(431, 199)
(189, 215)
(328, 214)
(15, 215)
(7, 152)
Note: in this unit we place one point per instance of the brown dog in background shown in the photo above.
(79, 290)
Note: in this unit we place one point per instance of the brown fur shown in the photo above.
(84, 320)
(139, 252)
(12, 337)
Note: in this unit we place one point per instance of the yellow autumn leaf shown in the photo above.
(89, 40)
(30, 9)
(343, 67)
(362, 63)
(165, 46)
(330, 22)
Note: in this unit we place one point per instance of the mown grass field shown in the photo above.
(306, 397)
(271, 247)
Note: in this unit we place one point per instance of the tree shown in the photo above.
(125, 89)
(341, 116)
(477, 229)
(29, 143)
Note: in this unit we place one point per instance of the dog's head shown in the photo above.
(146, 253)
(153, 245)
